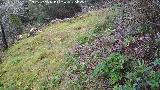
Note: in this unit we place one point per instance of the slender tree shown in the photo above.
(4, 37)
(8, 7)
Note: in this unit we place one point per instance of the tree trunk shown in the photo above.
(4, 37)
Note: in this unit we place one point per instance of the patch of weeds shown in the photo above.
(154, 80)
(128, 40)
(99, 29)
(156, 62)
(77, 77)
(56, 80)
(111, 68)
(11, 85)
(32, 77)
(44, 85)
(144, 77)
(92, 34)
(83, 39)
(140, 77)
(1, 86)
(16, 60)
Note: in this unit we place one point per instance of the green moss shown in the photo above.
(39, 62)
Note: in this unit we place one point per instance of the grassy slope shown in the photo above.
(38, 62)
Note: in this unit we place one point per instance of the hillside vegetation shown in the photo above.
(38, 62)
(107, 49)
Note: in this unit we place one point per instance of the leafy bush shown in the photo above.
(134, 75)
(111, 67)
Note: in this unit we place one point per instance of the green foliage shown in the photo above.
(1, 86)
(92, 34)
(128, 40)
(111, 67)
(15, 20)
(83, 39)
(154, 80)
(97, 31)
(43, 12)
(77, 69)
(157, 62)
(123, 87)
(145, 76)
(140, 76)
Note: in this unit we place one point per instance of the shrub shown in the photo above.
(111, 68)
(127, 74)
